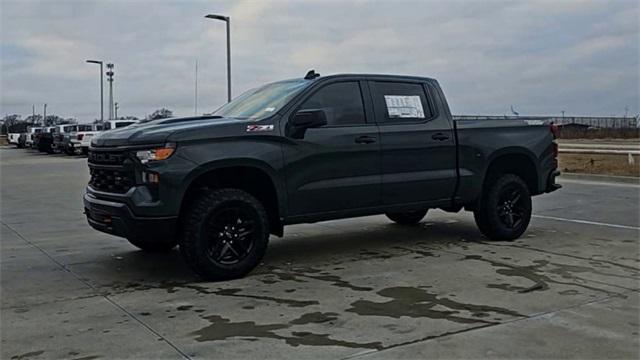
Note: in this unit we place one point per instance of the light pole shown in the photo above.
(101, 88)
(227, 20)
(195, 95)
(110, 74)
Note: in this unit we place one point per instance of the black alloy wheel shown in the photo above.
(232, 234)
(511, 209)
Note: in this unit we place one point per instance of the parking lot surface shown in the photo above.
(358, 288)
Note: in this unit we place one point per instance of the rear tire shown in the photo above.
(504, 211)
(407, 217)
(153, 246)
(225, 234)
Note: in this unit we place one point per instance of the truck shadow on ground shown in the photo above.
(382, 240)
(322, 249)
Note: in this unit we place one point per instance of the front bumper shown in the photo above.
(117, 219)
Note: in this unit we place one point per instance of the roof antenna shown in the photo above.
(311, 75)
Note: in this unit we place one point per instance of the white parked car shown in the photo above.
(79, 143)
(31, 132)
(115, 124)
(65, 133)
(14, 138)
(82, 139)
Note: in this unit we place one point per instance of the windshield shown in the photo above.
(261, 102)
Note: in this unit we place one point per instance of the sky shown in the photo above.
(543, 57)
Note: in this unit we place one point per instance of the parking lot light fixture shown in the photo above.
(227, 20)
(101, 87)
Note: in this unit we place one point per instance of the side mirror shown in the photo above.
(309, 119)
(304, 120)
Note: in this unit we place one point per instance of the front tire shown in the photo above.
(407, 217)
(225, 234)
(153, 246)
(504, 211)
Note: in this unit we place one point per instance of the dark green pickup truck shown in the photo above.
(308, 150)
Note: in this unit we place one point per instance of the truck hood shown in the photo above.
(156, 131)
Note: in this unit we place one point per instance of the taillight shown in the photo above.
(554, 130)
(80, 136)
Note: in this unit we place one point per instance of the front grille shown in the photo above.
(109, 180)
(97, 216)
(106, 157)
(110, 171)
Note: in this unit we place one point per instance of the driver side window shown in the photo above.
(341, 102)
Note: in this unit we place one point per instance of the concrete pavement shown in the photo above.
(358, 288)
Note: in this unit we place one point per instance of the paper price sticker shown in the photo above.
(401, 106)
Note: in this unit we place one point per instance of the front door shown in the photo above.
(337, 166)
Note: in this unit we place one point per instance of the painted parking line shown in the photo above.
(587, 222)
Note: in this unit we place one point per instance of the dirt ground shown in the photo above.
(599, 164)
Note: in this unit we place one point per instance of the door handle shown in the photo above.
(440, 137)
(365, 139)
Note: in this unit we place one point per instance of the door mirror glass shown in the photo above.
(304, 120)
(309, 118)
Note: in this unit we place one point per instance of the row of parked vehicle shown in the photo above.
(71, 139)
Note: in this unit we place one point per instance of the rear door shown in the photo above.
(335, 167)
(418, 147)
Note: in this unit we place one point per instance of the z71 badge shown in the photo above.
(252, 128)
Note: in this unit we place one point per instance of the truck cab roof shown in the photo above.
(377, 77)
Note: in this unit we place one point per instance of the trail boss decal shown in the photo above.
(252, 128)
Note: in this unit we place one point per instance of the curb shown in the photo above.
(601, 178)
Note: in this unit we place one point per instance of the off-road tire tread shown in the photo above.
(485, 215)
(197, 214)
(407, 218)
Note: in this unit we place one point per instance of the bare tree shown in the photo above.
(160, 114)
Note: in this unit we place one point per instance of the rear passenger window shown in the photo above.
(401, 101)
(342, 103)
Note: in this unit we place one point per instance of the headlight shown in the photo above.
(156, 154)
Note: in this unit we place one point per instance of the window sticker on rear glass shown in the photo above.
(401, 106)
